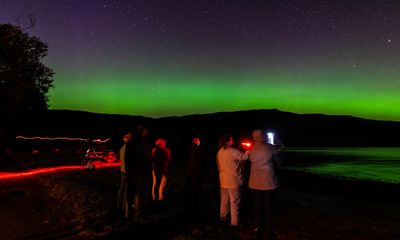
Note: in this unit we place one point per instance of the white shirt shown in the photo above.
(262, 173)
(229, 167)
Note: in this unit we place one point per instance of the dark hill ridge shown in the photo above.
(293, 129)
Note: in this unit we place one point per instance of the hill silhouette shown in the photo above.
(316, 130)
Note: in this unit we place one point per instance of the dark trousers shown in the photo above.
(135, 193)
(264, 211)
(193, 192)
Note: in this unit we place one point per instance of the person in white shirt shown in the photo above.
(263, 182)
(230, 176)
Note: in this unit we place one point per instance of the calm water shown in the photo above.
(377, 164)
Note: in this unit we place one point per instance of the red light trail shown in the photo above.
(63, 138)
(9, 175)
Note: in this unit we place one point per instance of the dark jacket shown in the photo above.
(138, 160)
(161, 160)
(197, 163)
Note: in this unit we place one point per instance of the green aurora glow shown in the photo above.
(191, 57)
(356, 92)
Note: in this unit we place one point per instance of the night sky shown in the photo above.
(181, 57)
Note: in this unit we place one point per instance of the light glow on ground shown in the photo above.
(13, 175)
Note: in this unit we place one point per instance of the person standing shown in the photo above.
(138, 168)
(196, 166)
(122, 200)
(230, 177)
(161, 158)
(263, 183)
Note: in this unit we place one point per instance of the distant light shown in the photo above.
(246, 145)
(270, 136)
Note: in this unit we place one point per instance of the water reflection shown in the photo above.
(376, 164)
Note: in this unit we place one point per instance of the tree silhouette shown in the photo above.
(24, 79)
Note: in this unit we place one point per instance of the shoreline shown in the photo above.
(340, 186)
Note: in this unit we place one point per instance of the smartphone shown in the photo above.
(270, 137)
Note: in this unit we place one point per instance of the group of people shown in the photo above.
(140, 161)
(262, 181)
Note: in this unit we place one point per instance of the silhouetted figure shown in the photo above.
(230, 178)
(161, 158)
(196, 167)
(263, 184)
(138, 168)
(122, 200)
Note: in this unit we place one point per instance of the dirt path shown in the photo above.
(27, 211)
